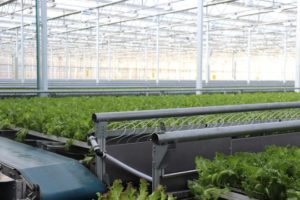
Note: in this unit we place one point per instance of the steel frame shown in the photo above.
(164, 142)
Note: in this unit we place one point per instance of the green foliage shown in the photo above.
(5, 124)
(71, 116)
(118, 192)
(21, 135)
(270, 175)
(68, 144)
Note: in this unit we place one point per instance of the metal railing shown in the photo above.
(170, 126)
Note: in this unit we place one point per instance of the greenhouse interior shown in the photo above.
(149, 100)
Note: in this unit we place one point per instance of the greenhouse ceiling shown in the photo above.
(130, 25)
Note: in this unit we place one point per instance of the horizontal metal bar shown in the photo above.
(176, 174)
(128, 168)
(167, 90)
(6, 2)
(182, 112)
(221, 132)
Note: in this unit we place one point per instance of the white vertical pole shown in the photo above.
(22, 43)
(8, 66)
(44, 46)
(52, 63)
(17, 55)
(284, 57)
(249, 57)
(157, 51)
(146, 59)
(67, 66)
(297, 71)
(109, 59)
(180, 63)
(199, 84)
(233, 66)
(97, 49)
(207, 55)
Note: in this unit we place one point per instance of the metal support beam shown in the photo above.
(42, 46)
(180, 64)
(97, 48)
(67, 64)
(157, 51)
(297, 71)
(16, 58)
(22, 43)
(109, 59)
(249, 56)
(199, 84)
(146, 59)
(100, 161)
(160, 154)
(233, 62)
(285, 41)
(207, 53)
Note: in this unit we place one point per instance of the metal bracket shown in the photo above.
(160, 159)
(101, 128)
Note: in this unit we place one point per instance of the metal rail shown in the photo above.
(163, 140)
(181, 112)
(221, 132)
(128, 92)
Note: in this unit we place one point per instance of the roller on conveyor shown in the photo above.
(28, 172)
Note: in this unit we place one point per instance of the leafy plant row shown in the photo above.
(71, 116)
(270, 175)
(118, 192)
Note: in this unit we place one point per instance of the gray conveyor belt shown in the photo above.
(58, 177)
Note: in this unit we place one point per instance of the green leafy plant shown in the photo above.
(68, 144)
(269, 175)
(71, 116)
(21, 135)
(5, 124)
(118, 192)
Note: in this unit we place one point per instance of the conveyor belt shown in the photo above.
(58, 177)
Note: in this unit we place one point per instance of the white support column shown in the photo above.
(8, 67)
(16, 58)
(207, 54)
(97, 49)
(69, 65)
(52, 62)
(67, 57)
(44, 47)
(146, 59)
(249, 56)
(233, 67)
(297, 71)
(180, 57)
(285, 41)
(199, 84)
(109, 59)
(22, 43)
(157, 51)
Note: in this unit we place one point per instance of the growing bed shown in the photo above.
(70, 117)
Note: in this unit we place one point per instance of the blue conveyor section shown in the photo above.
(59, 177)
